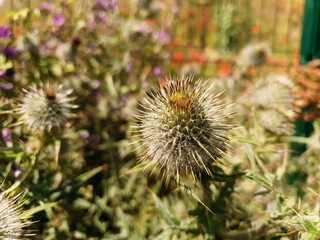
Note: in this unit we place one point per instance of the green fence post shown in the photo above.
(309, 50)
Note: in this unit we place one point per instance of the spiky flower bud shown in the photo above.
(273, 98)
(255, 54)
(182, 127)
(46, 108)
(11, 224)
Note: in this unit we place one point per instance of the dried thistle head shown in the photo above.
(182, 128)
(255, 54)
(11, 224)
(273, 98)
(46, 108)
(274, 121)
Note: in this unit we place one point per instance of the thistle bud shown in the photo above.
(46, 108)
(255, 54)
(182, 128)
(11, 224)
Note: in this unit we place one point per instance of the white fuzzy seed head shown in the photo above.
(46, 108)
(11, 225)
(255, 54)
(182, 128)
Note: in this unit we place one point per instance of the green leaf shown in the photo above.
(87, 175)
(37, 209)
(164, 212)
(260, 180)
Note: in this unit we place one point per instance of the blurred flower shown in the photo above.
(174, 8)
(181, 127)
(6, 134)
(5, 32)
(161, 36)
(255, 54)
(85, 135)
(6, 86)
(123, 101)
(46, 108)
(16, 171)
(2, 73)
(95, 83)
(144, 84)
(276, 122)
(9, 52)
(46, 6)
(11, 224)
(157, 71)
(59, 19)
(107, 4)
(102, 17)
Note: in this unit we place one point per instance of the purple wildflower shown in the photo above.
(85, 135)
(47, 6)
(5, 32)
(102, 17)
(59, 19)
(6, 135)
(144, 84)
(9, 52)
(6, 87)
(157, 71)
(2, 73)
(161, 36)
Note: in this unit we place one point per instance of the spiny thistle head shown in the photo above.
(273, 98)
(182, 128)
(46, 108)
(255, 54)
(11, 224)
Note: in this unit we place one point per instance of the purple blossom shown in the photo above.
(5, 32)
(46, 6)
(107, 4)
(161, 36)
(9, 52)
(102, 17)
(59, 19)
(144, 84)
(157, 71)
(6, 87)
(95, 83)
(2, 73)
(85, 135)
(6, 135)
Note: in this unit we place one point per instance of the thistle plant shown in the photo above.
(182, 128)
(273, 98)
(46, 108)
(11, 224)
(255, 54)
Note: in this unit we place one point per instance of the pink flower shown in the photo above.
(5, 32)
(59, 19)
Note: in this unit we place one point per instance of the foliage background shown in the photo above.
(110, 56)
